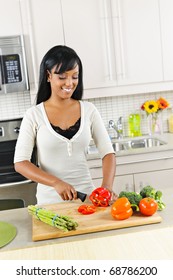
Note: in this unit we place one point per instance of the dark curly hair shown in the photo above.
(66, 59)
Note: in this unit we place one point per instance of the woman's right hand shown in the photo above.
(32, 172)
(66, 191)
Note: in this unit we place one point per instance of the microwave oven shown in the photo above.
(13, 68)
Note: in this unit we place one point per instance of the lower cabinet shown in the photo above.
(124, 182)
(159, 179)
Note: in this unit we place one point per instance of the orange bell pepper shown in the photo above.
(121, 209)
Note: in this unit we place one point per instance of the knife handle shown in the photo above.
(81, 196)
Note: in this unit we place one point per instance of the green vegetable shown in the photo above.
(149, 191)
(64, 223)
(133, 197)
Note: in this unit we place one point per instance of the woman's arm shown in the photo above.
(104, 145)
(32, 172)
(109, 169)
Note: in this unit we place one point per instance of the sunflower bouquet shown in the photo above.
(153, 108)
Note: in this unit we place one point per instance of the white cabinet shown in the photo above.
(125, 45)
(166, 18)
(118, 41)
(45, 28)
(122, 43)
(124, 182)
(133, 173)
(10, 18)
(85, 25)
(137, 41)
(160, 180)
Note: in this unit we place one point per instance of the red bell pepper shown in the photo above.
(100, 197)
(86, 209)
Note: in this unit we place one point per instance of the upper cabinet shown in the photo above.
(45, 28)
(10, 19)
(166, 22)
(87, 29)
(125, 45)
(137, 42)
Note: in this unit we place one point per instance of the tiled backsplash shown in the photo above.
(114, 107)
(14, 106)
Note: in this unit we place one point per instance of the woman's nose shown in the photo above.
(69, 81)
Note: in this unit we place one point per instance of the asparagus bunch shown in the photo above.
(64, 223)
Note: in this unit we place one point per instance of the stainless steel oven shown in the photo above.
(8, 136)
(13, 184)
(13, 68)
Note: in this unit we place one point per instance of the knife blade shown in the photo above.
(82, 196)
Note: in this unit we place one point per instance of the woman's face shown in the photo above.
(63, 85)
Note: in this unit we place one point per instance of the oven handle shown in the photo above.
(15, 183)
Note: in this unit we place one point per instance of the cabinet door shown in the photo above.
(160, 180)
(137, 41)
(10, 18)
(166, 12)
(46, 29)
(87, 30)
(121, 183)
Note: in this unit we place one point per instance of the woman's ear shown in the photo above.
(48, 76)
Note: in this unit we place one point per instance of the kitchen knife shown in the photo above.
(81, 196)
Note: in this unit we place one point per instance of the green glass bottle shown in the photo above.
(134, 125)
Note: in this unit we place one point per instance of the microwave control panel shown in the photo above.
(11, 69)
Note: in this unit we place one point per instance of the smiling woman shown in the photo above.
(61, 126)
(58, 61)
(63, 85)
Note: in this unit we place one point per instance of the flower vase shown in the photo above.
(155, 123)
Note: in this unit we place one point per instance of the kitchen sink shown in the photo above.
(129, 144)
(137, 143)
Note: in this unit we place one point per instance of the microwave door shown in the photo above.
(2, 85)
(0, 70)
(0, 81)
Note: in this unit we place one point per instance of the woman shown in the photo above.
(61, 126)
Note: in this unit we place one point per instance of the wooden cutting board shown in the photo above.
(101, 220)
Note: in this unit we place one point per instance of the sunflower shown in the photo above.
(162, 103)
(151, 106)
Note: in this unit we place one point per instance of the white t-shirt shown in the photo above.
(58, 155)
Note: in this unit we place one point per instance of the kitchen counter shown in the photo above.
(152, 241)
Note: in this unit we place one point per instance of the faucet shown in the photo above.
(117, 127)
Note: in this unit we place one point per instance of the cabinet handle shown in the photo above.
(121, 40)
(108, 35)
(31, 34)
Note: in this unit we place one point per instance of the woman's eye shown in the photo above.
(62, 77)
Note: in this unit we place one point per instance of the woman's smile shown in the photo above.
(68, 90)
